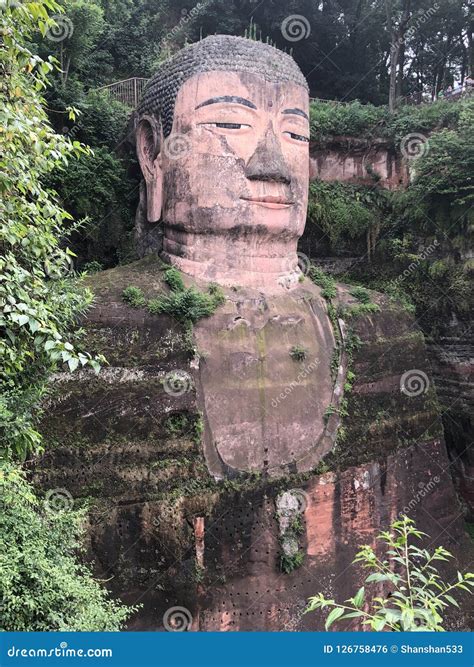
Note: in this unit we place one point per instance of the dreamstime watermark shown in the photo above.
(61, 651)
(71, 132)
(177, 383)
(177, 619)
(294, 501)
(414, 145)
(299, 263)
(424, 254)
(186, 17)
(423, 490)
(62, 29)
(59, 265)
(58, 500)
(292, 386)
(176, 146)
(295, 28)
(419, 21)
(414, 383)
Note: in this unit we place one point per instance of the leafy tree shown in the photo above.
(417, 596)
(80, 26)
(39, 297)
(43, 585)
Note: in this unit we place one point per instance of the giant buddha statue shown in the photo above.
(223, 144)
(236, 465)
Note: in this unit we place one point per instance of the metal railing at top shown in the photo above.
(128, 91)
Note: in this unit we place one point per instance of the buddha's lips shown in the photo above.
(270, 201)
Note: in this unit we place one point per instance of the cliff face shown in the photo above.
(353, 160)
(246, 551)
(452, 356)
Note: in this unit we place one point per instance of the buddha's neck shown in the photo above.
(254, 261)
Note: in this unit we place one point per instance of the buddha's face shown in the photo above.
(236, 165)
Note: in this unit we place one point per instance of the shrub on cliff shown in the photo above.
(43, 585)
(345, 212)
(366, 121)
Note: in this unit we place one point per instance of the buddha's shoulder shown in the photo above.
(108, 286)
(392, 400)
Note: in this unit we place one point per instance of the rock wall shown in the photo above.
(364, 162)
(452, 358)
(163, 532)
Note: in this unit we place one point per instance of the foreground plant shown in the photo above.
(40, 301)
(417, 597)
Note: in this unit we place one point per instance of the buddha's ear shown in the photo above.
(148, 140)
(313, 169)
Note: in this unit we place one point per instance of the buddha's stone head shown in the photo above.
(222, 141)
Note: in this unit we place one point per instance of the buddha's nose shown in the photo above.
(267, 162)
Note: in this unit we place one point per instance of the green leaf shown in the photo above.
(450, 599)
(378, 624)
(359, 598)
(73, 363)
(333, 616)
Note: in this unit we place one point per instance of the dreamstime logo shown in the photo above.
(71, 132)
(303, 263)
(177, 619)
(422, 18)
(290, 546)
(414, 383)
(61, 30)
(294, 268)
(186, 16)
(295, 28)
(423, 490)
(424, 254)
(290, 387)
(59, 265)
(176, 146)
(58, 500)
(414, 145)
(301, 498)
(177, 383)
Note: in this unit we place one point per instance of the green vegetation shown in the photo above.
(366, 121)
(291, 554)
(298, 353)
(39, 294)
(416, 240)
(328, 284)
(330, 410)
(186, 304)
(177, 424)
(43, 586)
(173, 279)
(134, 297)
(347, 215)
(361, 309)
(415, 597)
(361, 294)
(290, 563)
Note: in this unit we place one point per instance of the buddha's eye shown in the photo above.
(227, 126)
(231, 126)
(297, 137)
